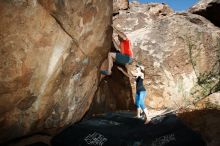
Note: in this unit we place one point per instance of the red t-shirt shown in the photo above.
(125, 46)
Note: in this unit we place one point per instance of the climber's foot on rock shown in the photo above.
(105, 72)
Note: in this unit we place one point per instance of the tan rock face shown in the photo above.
(50, 53)
(208, 9)
(180, 53)
(202, 4)
(120, 5)
(211, 101)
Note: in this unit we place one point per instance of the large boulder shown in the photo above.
(51, 52)
(208, 9)
(120, 5)
(180, 52)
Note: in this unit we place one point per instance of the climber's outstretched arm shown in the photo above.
(134, 73)
(116, 45)
(121, 34)
(125, 73)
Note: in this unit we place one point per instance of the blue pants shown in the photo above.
(140, 98)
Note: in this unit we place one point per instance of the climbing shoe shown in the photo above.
(105, 72)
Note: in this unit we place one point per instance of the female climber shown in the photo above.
(141, 92)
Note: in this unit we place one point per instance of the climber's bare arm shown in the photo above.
(134, 73)
(116, 44)
(121, 34)
(125, 73)
(137, 73)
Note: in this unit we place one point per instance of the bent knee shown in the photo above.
(112, 55)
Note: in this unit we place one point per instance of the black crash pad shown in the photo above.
(122, 129)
